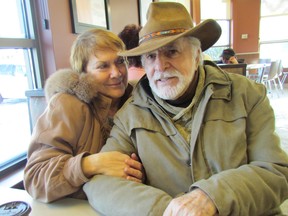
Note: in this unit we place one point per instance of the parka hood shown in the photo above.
(82, 85)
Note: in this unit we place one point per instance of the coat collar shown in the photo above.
(82, 85)
(219, 81)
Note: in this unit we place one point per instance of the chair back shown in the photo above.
(234, 68)
(274, 69)
(280, 69)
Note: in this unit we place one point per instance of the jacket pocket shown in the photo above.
(223, 138)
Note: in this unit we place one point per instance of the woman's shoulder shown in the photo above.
(66, 102)
(82, 85)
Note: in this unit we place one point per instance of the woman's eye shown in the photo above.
(120, 61)
(102, 66)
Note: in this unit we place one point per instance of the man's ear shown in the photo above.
(198, 58)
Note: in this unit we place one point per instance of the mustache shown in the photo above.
(165, 74)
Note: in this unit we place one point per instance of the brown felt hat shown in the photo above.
(168, 21)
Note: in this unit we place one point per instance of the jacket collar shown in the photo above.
(80, 85)
(220, 81)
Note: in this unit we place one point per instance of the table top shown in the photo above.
(257, 66)
(66, 206)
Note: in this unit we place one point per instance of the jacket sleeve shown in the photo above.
(262, 183)
(114, 196)
(53, 168)
(117, 196)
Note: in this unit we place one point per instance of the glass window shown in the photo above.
(9, 10)
(208, 9)
(223, 16)
(271, 30)
(273, 34)
(275, 51)
(19, 71)
(273, 7)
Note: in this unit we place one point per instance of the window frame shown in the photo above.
(215, 51)
(31, 43)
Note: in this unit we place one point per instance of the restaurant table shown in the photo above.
(257, 71)
(66, 206)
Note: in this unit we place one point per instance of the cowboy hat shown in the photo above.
(168, 21)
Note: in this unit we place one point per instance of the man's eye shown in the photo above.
(150, 56)
(171, 52)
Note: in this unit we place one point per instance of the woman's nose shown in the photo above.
(115, 71)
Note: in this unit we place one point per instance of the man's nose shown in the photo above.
(161, 62)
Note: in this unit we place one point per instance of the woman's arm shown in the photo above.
(113, 164)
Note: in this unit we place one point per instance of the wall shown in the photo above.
(123, 12)
(60, 20)
(245, 20)
(56, 41)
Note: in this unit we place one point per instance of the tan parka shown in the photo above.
(74, 124)
(234, 154)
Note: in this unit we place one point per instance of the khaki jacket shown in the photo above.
(74, 124)
(234, 154)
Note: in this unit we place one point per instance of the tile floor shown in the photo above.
(279, 102)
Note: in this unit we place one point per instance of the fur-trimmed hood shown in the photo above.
(82, 85)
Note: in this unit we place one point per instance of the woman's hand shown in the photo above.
(113, 164)
(135, 170)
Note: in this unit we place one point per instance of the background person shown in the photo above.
(206, 138)
(62, 155)
(228, 56)
(130, 36)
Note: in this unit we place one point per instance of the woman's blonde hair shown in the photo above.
(89, 43)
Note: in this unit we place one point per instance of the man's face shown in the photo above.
(171, 68)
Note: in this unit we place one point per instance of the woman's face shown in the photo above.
(110, 73)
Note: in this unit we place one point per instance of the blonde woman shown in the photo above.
(63, 153)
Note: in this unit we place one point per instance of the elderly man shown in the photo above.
(205, 137)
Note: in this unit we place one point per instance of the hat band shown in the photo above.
(161, 33)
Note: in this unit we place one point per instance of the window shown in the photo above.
(19, 71)
(223, 17)
(273, 33)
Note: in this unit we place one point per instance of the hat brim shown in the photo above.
(208, 32)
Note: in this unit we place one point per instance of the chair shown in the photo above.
(36, 105)
(272, 76)
(284, 77)
(234, 68)
(280, 74)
